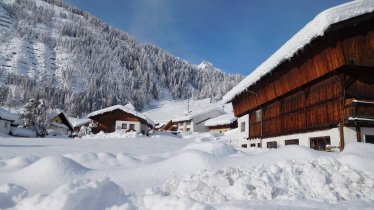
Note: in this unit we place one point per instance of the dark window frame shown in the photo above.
(320, 143)
(291, 142)
(369, 139)
(272, 144)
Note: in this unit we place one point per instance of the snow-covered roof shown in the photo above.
(7, 115)
(225, 119)
(313, 29)
(75, 122)
(196, 113)
(127, 109)
(56, 112)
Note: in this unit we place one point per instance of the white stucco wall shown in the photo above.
(304, 138)
(350, 136)
(4, 126)
(245, 119)
(137, 125)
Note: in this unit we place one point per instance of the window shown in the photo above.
(188, 129)
(124, 126)
(319, 143)
(181, 124)
(369, 139)
(291, 142)
(244, 145)
(258, 145)
(5, 124)
(271, 144)
(253, 145)
(242, 127)
(188, 123)
(132, 127)
(258, 115)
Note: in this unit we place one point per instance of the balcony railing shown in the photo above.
(359, 110)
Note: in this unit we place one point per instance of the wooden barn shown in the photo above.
(317, 89)
(118, 117)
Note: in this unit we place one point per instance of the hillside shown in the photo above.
(51, 50)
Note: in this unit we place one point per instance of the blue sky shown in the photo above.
(235, 35)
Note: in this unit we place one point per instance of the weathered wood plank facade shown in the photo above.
(317, 87)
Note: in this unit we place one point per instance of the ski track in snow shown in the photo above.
(165, 172)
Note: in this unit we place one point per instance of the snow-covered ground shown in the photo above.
(166, 172)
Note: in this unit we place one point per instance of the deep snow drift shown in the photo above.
(166, 172)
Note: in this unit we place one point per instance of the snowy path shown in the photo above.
(173, 173)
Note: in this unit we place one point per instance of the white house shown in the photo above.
(6, 119)
(195, 120)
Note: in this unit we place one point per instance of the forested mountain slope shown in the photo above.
(51, 50)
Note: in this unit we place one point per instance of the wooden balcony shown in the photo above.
(359, 111)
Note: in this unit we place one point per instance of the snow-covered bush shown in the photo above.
(34, 116)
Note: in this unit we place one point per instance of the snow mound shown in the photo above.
(213, 147)
(53, 166)
(92, 195)
(361, 153)
(117, 134)
(323, 179)
(17, 162)
(103, 160)
(10, 194)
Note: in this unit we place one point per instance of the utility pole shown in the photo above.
(188, 105)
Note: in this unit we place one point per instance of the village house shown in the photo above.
(59, 124)
(77, 124)
(222, 124)
(194, 121)
(317, 89)
(118, 117)
(6, 120)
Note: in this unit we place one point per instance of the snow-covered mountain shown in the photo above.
(51, 50)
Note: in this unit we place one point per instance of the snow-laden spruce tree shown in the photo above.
(34, 116)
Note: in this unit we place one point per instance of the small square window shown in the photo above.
(132, 127)
(124, 126)
(271, 144)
